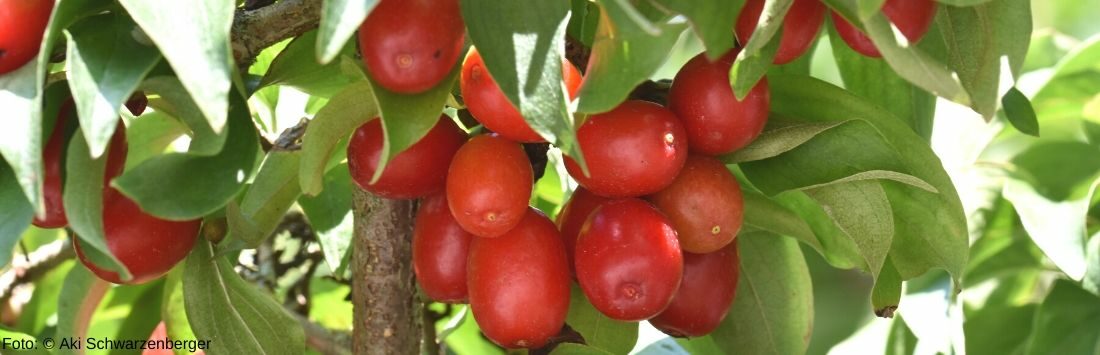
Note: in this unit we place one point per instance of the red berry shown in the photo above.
(912, 17)
(488, 104)
(519, 283)
(716, 122)
(800, 27)
(410, 46)
(633, 150)
(22, 25)
(705, 295)
(704, 205)
(440, 247)
(53, 160)
(489, 185)
(573, 216)
(628, 260)
(418, 171)
(148, 246)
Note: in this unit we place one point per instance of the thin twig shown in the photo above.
(323, 340)
(36, 264)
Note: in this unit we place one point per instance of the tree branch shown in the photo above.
(323, 340)
(254, 30)
(387, 318)
(37, 263)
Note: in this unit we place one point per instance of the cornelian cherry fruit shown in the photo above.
(912, 18)
(704, 204)
(440, 247)
(800, 27)
(715, 120)
(488, 104)
(148, 246)
(418, 171)
(705, 295)
(633, 150)
(572, 218)
(22, 26)
(628, 261)
(411, 46)
(519, 283)
(488, 185)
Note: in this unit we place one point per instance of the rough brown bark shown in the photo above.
(387, 313)
(259, 28)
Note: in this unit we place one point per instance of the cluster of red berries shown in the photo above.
(147, 245)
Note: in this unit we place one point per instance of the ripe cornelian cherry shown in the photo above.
(705, 295)
(440, 247)
(716, 122)
(572, 218)
(800, 27)
(704, 204)
(633, 150)
(912, 17)
(489, 185)
(410, 46)
(22, 24)
(489, 106)
(628, 260)
(416, 172)
(148, 246)
(519, 283)
(53, 160)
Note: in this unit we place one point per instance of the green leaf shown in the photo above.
(778, 137)
(583, 20)
(83, 202)
(918, 244)
(173, 311)
(17, 214)
(273, 191)
(1066, 322)
(875, 81)
(150, 135)
(106, 65)
(194, 38)
(837, 248)
(862, 212)
(980, 39)
(599, 332)
(297, 66)
(183, 186)
(76, 304)
(14, 338)
(909, 62)
(886, 295)
(1019, 112)
(333, 123)
(139, 324)
(577, 349)
(753, 60)
(1057, 227)
(21, 95)
(407, 118)
(339, 21)
(773, 310)
(711, 20)
(620, 61)
(867, 8)
(237, 317)
(176, 102)
(329, 215)
(765, 214)
(999, 329)
(1092, 273)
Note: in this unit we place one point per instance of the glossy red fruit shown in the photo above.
(22, 24)
(628, 261)
(716, 122)
(53, 161)
(489, 185)
(573, 216)
(489, 106)
(800, 27)
(440, 247)
(705, 295)
(416, 172)
(409, 46)
(148, 246)
(633, 150)
(519, 283)
(912, 17)
(704, 204)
